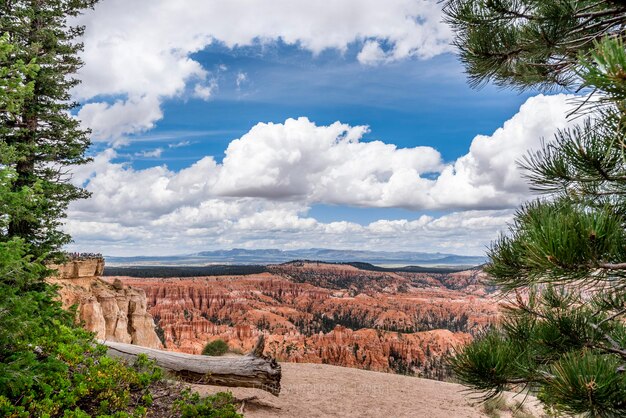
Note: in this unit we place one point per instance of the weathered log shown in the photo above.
(251, 371)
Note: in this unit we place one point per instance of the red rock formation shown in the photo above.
(113, 311)
(325, 313)
(76, 269)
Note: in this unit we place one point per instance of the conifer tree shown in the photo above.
(14, 89)
(563, 261)
(50, 366)
(43, 139)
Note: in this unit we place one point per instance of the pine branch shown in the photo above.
(575, 239)
(612, 317)
(524, 307)
(613, 350)
(594, 15)
(584, 102)
(615, 347)
(612, 266)
(592, 6)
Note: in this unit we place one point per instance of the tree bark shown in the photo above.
(251, 371)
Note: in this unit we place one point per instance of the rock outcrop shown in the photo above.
(113, 312)
(320, 313)
(76, 269)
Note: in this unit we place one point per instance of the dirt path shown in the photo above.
(316, 390)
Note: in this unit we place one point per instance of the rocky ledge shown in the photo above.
(113, 311)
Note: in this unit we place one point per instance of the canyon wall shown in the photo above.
(113, 311)
(322, 313)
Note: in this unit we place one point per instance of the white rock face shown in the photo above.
(112, 312)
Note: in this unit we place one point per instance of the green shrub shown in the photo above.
(220, 405)
(50, 367)
(215, 348)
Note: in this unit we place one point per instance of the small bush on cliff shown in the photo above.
(215, 348)
(219, 405)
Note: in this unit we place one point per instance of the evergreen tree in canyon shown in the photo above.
(563, 262)
(50, 366)
(40, 139)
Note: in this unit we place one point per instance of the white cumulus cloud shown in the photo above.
(262, 191)
(331, 164)
(142, 49)
(372, 53)
(111, 121)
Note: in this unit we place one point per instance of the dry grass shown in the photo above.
(492, 407)
(498, 407)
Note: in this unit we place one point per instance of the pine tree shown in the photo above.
(530, 43)
(50, 366)
(563, 262)
(14, 89)
(33, 324)
(41, 141)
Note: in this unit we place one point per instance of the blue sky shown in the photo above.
(432, 172)
(408, 103)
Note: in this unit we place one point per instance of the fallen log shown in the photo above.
(252, 370)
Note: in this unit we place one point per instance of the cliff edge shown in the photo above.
(115, 312)
(321, 390)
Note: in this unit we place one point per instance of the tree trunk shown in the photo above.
(251, 371)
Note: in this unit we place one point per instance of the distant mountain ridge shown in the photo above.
(275, 256)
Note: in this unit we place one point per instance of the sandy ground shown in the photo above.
(316, 390)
